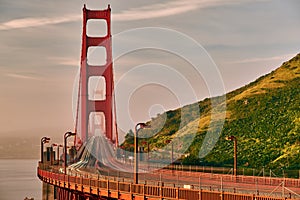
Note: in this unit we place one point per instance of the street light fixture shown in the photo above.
(57, 145)
(234, 139)
(138, 127)
(43, 141)
(67, 134)
(58, 155)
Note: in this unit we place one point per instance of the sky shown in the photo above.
(40, 49)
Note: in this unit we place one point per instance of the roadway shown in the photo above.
(99, 159)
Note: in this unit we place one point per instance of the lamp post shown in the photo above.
(67, 134)
(138, 127)
(43, 141)
(234, 139)
(53, 145)
(52, 158)
(57, 145)
(58, 157)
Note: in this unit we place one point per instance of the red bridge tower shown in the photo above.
(86, 105)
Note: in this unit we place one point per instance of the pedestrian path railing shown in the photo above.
(126, 190)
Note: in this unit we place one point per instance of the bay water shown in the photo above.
(18, 179)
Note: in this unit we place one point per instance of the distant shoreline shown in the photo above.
(16, 158)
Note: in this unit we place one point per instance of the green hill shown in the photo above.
(264, 115)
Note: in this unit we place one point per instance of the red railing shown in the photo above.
(125, 190)
(272, 181)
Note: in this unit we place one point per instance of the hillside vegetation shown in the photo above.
(264, 116)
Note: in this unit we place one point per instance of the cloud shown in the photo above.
(35, 22)
(260, 59)
(169, 8)
(66, 61)
(20, 76)
(154, 11)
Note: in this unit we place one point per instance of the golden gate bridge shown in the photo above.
(97, 172)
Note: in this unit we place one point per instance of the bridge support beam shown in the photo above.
(48, 191)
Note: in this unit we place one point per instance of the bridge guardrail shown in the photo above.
(123, 188)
